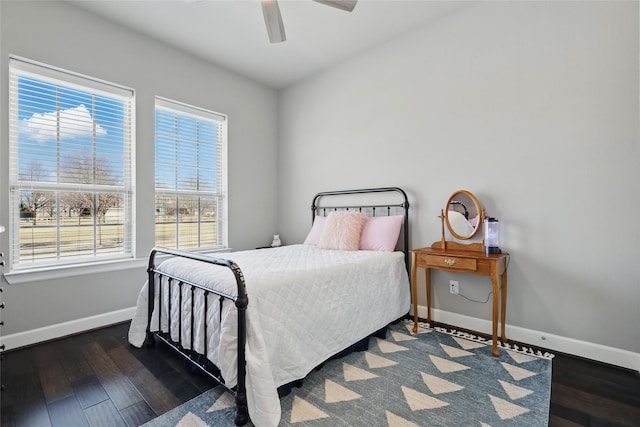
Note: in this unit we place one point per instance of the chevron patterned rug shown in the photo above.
(432, 378)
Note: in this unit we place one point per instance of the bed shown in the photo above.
(257, 321)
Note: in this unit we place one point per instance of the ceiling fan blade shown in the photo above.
(273, 21)
(347, 5)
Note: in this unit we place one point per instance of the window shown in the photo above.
(70, 167)
(190, 167)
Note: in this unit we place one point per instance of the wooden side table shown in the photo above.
(459, 259)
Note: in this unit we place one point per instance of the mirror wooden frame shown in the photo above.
(478, 210)
(443, 243)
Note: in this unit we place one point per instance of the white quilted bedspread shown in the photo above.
(305, 304)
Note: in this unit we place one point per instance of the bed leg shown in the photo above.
(149, 341)
(242, 412)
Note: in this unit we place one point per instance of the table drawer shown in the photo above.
(452, 262)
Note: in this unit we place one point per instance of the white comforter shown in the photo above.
(305, 304)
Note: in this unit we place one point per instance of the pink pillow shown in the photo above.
(316, 230)
(342, 231)
(381, 233)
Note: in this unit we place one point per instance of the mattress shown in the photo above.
(305, 305)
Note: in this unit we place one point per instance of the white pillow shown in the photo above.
(316, 230)
(342, 231)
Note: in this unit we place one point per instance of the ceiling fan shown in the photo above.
(273, 19)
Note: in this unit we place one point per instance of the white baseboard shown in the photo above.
(613, 356)
(59, 330)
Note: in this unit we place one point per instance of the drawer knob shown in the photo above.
(450, 261)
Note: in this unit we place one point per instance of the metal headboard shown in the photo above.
(404, 204)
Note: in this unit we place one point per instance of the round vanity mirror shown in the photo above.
(463, 215)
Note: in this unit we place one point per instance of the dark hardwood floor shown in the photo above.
(97, 379)
(94, 379)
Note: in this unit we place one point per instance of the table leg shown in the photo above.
(494, 317)
(414, 293)
(503, 312)
(427, 275)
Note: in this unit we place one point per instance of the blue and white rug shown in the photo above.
(433, 378)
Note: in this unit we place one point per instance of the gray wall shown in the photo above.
(61, 35)
(533, 107)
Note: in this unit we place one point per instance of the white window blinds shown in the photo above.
(71, 167)
(190, 176)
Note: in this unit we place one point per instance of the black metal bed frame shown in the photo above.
(201, 361)
(241, 300)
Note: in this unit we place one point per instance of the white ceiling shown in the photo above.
(232, 34)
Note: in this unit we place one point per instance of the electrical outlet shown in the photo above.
(453, 287)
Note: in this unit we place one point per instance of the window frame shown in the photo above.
(66, 79)
(221, 181)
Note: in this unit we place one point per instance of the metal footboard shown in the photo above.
(199, 361)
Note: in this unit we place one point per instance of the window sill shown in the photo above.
(48, 273)
(41, 274)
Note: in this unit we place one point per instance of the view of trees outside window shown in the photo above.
(188, 178)
(70, 172)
